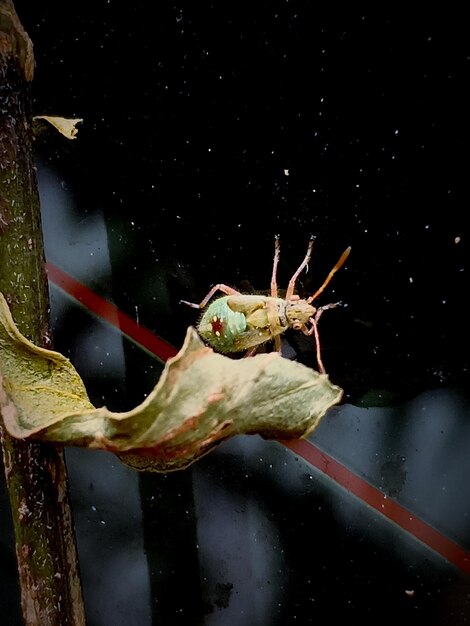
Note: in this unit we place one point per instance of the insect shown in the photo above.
(237, 322)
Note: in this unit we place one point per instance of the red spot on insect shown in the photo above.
(217, 325)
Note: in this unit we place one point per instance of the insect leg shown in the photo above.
(250, 352)
(254, 349)
(321, 367)
(325, 307)
(313, 330)
(291, 286)
(339, 264)
(275, 263)
(229, 291)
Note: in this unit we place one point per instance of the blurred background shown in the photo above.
(209, 128)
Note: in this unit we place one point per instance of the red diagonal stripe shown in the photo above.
(333, 469)
(382, 503)
(109, 312)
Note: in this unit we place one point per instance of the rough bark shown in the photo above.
(35, 473)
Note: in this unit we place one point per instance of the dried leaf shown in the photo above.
(200, 399)
(66, 126)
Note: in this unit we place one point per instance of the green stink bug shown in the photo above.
(237, 322)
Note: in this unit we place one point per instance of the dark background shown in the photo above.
(210, 127)
(194, 114)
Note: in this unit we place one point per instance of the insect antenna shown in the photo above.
(338, 265)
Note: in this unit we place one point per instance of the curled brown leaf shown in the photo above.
(201, 398)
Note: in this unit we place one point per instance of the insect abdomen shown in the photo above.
(220, 325)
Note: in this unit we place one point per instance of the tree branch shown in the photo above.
(35, 473)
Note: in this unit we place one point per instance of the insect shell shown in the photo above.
(237, 322)
(240, 322)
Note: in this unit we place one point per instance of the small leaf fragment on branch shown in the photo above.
(66, 126)
(200, 399)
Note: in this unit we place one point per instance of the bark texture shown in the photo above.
(35, 473)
